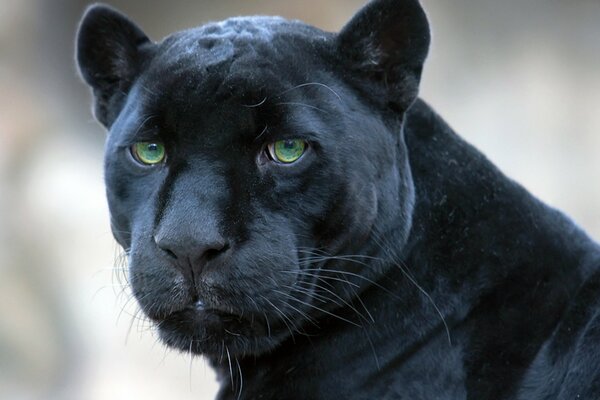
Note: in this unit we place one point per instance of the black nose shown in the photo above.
(191, 251)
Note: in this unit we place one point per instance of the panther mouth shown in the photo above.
(198, 312)
(210, 331)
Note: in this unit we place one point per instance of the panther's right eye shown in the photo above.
(148, 153)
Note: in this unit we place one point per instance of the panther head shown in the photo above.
(250, 162)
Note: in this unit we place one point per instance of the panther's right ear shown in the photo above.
(110, 52)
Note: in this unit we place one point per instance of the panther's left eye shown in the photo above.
(287, 151)
(148, 153)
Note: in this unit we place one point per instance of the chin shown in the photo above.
(214, 333)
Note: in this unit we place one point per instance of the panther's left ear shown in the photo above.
(385, 46)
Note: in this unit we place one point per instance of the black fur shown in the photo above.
(391, 261)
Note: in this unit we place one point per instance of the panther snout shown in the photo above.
(191, 252)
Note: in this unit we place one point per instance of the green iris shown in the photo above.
(149, 153)
(287, 151)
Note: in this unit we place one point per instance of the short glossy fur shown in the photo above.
(391, 261)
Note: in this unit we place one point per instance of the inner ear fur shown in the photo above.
(110, 51)
(385, 45)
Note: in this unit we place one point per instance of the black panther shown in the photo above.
(293, 211)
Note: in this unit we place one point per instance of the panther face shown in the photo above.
(245, 159)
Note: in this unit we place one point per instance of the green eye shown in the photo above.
(287, 151)
(148, 153)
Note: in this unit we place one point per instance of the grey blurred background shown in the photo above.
(518, 78)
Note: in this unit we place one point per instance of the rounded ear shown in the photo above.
(110, 51)
(385, 45)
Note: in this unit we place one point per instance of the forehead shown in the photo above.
(239, 57)
(234, 76)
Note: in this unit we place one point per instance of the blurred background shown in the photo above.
(518, 78)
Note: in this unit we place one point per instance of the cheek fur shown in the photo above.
(159, 287)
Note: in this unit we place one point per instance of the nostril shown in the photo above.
(170, 253)
(213, 252)
(162, 246)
